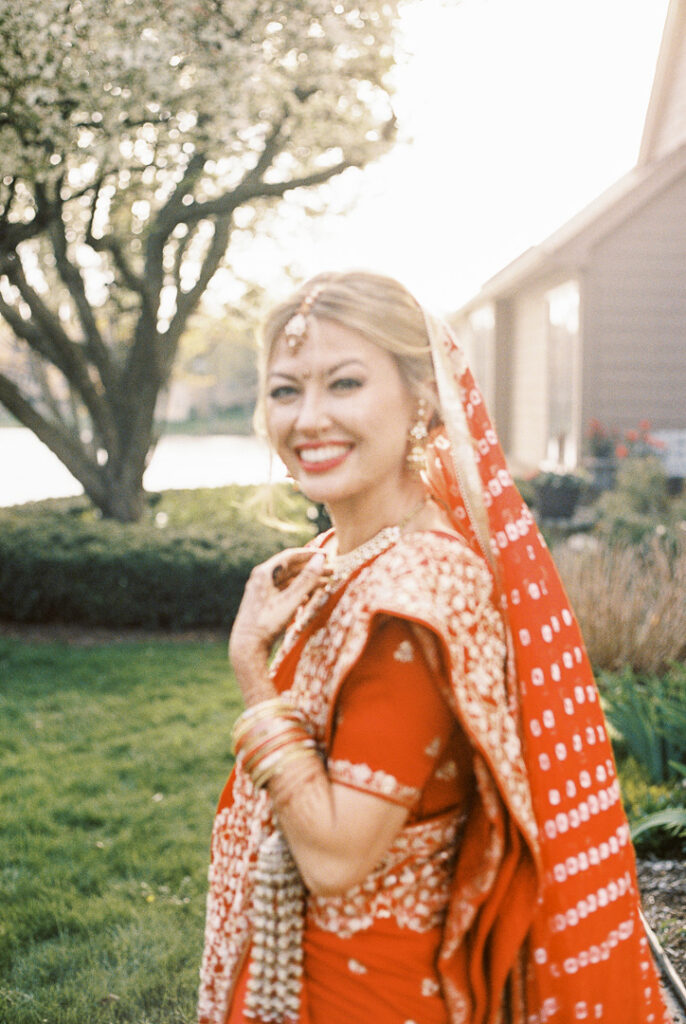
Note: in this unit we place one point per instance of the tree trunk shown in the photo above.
(121, 500)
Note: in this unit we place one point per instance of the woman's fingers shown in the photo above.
(289, 565)
(273, 593)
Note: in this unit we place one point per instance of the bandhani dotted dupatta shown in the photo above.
(585, 957)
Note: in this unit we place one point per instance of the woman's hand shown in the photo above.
(274, 591)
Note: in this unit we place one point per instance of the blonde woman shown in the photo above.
(423, 825)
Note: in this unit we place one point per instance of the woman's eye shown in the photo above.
(282, 392)
(346, 384)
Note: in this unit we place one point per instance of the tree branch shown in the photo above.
(57, 437)
(13, 233)
(12, 189)
(112, 245)
(45, 334)
(162, 226)
(247, 191)
(180, 253)
(73, 280)
(186, 302)
(271, 148)
(39, 371)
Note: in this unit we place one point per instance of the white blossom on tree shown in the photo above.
(134, 134)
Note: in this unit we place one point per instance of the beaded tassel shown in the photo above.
(274, 984)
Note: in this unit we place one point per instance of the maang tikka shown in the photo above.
(416, 457)
(296, 328)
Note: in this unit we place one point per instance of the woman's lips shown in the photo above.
(320, 458)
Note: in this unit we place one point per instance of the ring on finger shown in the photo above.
(278, 574)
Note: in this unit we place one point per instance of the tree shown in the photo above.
(135, 137)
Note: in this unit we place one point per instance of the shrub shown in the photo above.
(649, 714)
(647, 722)
(629, 600)
(185, 565)
(640, 506)
(655, 811)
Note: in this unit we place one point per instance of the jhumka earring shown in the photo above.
(296, 328)
(416, 457)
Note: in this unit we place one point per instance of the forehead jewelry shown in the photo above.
(296, 328)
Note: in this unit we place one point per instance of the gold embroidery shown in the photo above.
(434, 748)
(411, 885)
(447, 771)
(380, 783)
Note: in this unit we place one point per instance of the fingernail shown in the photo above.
(317, 561)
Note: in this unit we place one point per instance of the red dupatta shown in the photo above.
(585, 956)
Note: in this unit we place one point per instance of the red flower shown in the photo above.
(631, 435)
(644, 425)
(621, 451)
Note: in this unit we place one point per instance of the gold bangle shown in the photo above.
(262, 708)
(267, 764)
(271, 745)
(276, 764)
(275, 709)
(263, 731)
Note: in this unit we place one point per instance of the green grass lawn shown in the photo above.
(112, 761)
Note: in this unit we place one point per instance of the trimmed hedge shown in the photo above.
(59, 563)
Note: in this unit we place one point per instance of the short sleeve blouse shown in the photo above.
(394, 735)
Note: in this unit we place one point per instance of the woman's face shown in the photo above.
(338, 414)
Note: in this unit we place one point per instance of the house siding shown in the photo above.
(635, 319)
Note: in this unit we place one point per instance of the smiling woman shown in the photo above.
(341, 425)
(424, 822)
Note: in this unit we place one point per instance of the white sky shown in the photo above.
(516, 114)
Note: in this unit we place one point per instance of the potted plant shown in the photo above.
(601, 455)
(557, 494)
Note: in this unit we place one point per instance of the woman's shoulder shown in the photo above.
(429, 573)
(440, 551)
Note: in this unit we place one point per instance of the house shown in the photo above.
(591, 323)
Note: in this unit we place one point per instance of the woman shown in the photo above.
(424, 823)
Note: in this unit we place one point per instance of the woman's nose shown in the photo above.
(312, 414)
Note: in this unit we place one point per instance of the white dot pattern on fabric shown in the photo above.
(404, 652)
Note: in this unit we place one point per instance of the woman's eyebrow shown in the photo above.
(332, 369)
(278, 373)
(346, 362)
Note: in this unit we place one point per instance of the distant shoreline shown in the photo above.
(30, 472)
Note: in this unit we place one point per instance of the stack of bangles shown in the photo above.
(270, 735)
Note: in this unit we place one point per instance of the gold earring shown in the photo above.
(416, 456)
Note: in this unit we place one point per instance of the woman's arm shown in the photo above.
(337, 832)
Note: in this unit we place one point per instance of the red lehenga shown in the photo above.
(463, 692)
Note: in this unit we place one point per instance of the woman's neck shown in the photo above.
(355, 526)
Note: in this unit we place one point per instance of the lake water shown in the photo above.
(30, 472)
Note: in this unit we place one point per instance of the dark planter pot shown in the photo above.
(555, 501)
(603, 472)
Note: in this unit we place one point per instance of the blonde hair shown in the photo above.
(377, 307)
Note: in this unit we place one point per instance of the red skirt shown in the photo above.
(384, 975)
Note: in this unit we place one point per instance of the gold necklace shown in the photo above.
(345, 565)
